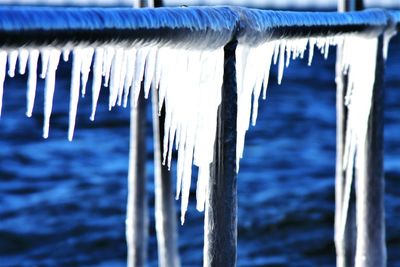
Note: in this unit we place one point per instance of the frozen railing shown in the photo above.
(206, 64)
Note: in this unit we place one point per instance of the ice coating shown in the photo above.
(12, 62)
(97, 76)
(53, 59)
(359, 62)
(78, 59)
(45, 56)
(85, 67)
(23, 60)
(253, 67)
(32, 81)
(196, 77)
(3, 63)
(188, 83)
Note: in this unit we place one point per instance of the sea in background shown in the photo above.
(63, 203)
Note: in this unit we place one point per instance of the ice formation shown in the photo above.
(253, 68)
(359, 62)
(189, 86)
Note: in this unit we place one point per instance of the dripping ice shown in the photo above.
(188, 83)
(253, 69)
(359, 63)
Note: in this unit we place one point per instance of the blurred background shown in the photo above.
(64, 204)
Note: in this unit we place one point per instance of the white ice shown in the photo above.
(54, 58)
(188, 83)
(12, 62)
(359, 62)
(253, 68)
(97, 77)
(23, 60)
(32, 80)
(3, 63)
(78, 55)
(87, 57)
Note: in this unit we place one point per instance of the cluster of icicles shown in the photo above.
(189, 85)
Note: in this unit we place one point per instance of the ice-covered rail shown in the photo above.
(200, 27)
(207, 63)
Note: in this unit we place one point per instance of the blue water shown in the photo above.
(63, 204)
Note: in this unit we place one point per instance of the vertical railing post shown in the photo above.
(345, 240)
(371, 247)
(165, 215)
(220, 226)
(137, 210)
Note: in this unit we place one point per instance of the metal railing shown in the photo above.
(207, 28)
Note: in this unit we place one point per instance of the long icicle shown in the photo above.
(54, 58)
(32, 81)
(3, 63)
(75, 84)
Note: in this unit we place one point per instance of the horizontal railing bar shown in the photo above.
(194, 27)
(262, 25)
(200, 27)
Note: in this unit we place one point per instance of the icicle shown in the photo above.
(108, 59)
(359, 57)
(23, 60)
(74, 98)
(3, 64)
(157, 71)
(54, 58)
(65, 54)
(131, 57)
(165, 55)
(264, 58)
(252, 65)
(326, 48)
(312, 42)
(269, 52)
(139, 71)
(87, 57)
(97, 76)
(32, 80)
(150, 70)
(204, 147)
(288, 53)
(12, 62)
(387, 36)
(45, 55)
(276, 51)
(122, 77)
(281, 61)
(201, 188)
(115, 77)
(191, 124)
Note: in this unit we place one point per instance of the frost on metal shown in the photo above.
(359, 63)
(189, 83)
(253, 68)
(179, 53)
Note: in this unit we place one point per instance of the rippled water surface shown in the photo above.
(63, 204)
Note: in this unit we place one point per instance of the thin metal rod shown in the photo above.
(137, 209)
(165, 213)
(371, 247)
(220, 226)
